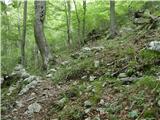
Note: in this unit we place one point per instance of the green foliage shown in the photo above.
(74, 70)
(97, 17)
(149, 82)
(71, 112)
(149, 56)
(97, 91)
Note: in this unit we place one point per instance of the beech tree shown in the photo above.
(84, 20)
(68, 20)
(23, 33)
(78, 22)
(40, 12)
(113, 30)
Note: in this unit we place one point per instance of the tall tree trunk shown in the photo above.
(84, 20)
(24, 34)
(113, 30)
(40, 11)
(19, 26)
(78, 22)
(68, 21)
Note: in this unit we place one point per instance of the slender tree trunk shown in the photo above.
(78, 27)
(68, 21)
(84, 21)
(19, 26)
(40, 11)
(113, 31)
(24, 34)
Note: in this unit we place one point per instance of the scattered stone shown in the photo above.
(89, 87)
(84, 77)
(104, 84)
(30, 79)
(31, 98)
(86, 49)
(65, 62)
(33, 94)
(25, 75)
(49, 75)
(101, 102)
(97, 118)
(122, 75)
(18, 67)
(98, 48)
(87, 104)
(14, 110)
(92, 78)
(87, 110)
(96, 63)
(75, 55)
(75, 83)
(19, 103)
(154, 45)
(34, 108)
(11, 89)
(101, 110)
(1, 80)
(89, 118)
(52, 70)
(93, 90)
(128, 80)
(62, 101)
(28, 86)
(158, 103)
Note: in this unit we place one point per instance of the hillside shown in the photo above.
(106, 79)
(80, 60)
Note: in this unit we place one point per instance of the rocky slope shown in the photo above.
(105, 80)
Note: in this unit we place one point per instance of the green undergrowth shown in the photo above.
(140, 100)
(74, 70)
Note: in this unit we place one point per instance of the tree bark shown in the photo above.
(68, 21)
(113, 30)
(78, 22)
(19, 25)
(40, 11)
(24, 34)
(84, 20)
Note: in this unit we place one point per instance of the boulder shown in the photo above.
(154, 45)
(34, 108)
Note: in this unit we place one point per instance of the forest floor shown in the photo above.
(115, 79)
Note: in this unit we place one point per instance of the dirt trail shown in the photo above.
(45, 94)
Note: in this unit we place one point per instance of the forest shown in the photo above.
(80, 60)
